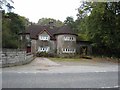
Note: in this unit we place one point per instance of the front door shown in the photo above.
(28, 49)
(83, 50)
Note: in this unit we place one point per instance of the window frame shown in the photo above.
(44, 37)
(69, 38)
(43, 49)
(68, 50)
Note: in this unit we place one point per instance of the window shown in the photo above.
(43, 49)
(66, 50)
(66, 38)
(46, 38)
(74, 50)
(72, 38)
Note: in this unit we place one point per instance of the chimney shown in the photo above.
(51, 24)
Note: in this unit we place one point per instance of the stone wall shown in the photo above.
(33, 46)
(53, 46)
(61, 43)
(14, 58)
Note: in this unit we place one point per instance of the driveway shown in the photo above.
(38, 64)
(45, 65)
(44, 73)
(43, 62)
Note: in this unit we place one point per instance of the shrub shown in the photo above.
(45, 54)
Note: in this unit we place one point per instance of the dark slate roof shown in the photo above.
(65, 30)
(34, 30)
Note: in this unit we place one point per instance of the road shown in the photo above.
(81, 76)
(60, 80)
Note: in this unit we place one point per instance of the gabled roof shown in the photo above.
(48, 32)
(35, 30)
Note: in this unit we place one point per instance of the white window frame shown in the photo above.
(43, 49)
(69, 38)
(74, 39)
(67, 50)
(44, 38)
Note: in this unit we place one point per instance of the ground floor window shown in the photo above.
(68, 50)
(43, 49)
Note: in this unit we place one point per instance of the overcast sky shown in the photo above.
(36, 9)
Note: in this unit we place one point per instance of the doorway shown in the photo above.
(83, 50)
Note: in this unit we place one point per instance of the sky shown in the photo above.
(36, 9)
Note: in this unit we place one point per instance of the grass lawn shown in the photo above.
(94, 59)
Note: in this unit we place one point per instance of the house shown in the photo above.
(61, 41)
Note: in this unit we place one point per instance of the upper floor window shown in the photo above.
(67, 38)
(46, 38)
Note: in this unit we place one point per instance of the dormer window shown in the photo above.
(44, 38)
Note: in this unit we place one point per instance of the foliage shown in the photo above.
(99, 22)
(44, 54)
(12, 24)
(84, 9)
(47, 21)
(6, 3)
(78, 26)
(69, 21)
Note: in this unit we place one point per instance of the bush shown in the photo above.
(44, 54)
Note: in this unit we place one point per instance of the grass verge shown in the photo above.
(95, 59)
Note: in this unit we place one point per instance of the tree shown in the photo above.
(12, 24)
(69, 21)
(84, 9)
(46, 21)
(6, 3)
(101, 26)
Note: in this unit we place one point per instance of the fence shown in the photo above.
(12, 57)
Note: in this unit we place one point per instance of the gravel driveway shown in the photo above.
(44, 65)
(43, 62)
